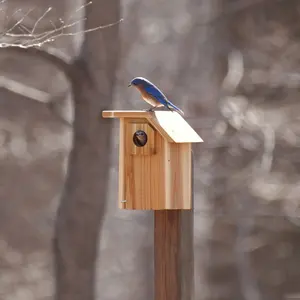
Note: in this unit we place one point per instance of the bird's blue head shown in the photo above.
(138, 81)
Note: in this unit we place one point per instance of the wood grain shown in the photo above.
(158, 175)
(173, 255)
(126, 114)
(157, 178)
(122, 185)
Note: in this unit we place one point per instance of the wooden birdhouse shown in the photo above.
(155, 161)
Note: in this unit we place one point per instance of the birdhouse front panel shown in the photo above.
(153, 173)
(141, 136)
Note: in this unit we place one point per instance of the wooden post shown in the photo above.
(173, 255)
(174, 252)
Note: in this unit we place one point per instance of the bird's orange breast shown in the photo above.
(148, 98)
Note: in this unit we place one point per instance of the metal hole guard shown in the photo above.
(140, 138)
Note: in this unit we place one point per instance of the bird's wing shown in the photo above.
(157, 94)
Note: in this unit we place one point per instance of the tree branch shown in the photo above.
(24, 90)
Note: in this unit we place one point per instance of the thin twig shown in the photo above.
(39, 19)
(29, 38)
(19, 22)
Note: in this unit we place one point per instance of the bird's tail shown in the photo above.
(171, 106)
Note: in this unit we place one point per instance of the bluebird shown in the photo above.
(152, 95)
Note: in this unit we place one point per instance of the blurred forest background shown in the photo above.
(231, 65)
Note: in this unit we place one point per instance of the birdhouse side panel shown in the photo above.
(178, 176)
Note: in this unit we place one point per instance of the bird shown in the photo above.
(140, 138)
(153, 95)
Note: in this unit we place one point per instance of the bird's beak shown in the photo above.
(129, 84)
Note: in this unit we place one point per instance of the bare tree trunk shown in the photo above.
(81, 211)
(82, 208)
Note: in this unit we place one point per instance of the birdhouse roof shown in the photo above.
(171, 125)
